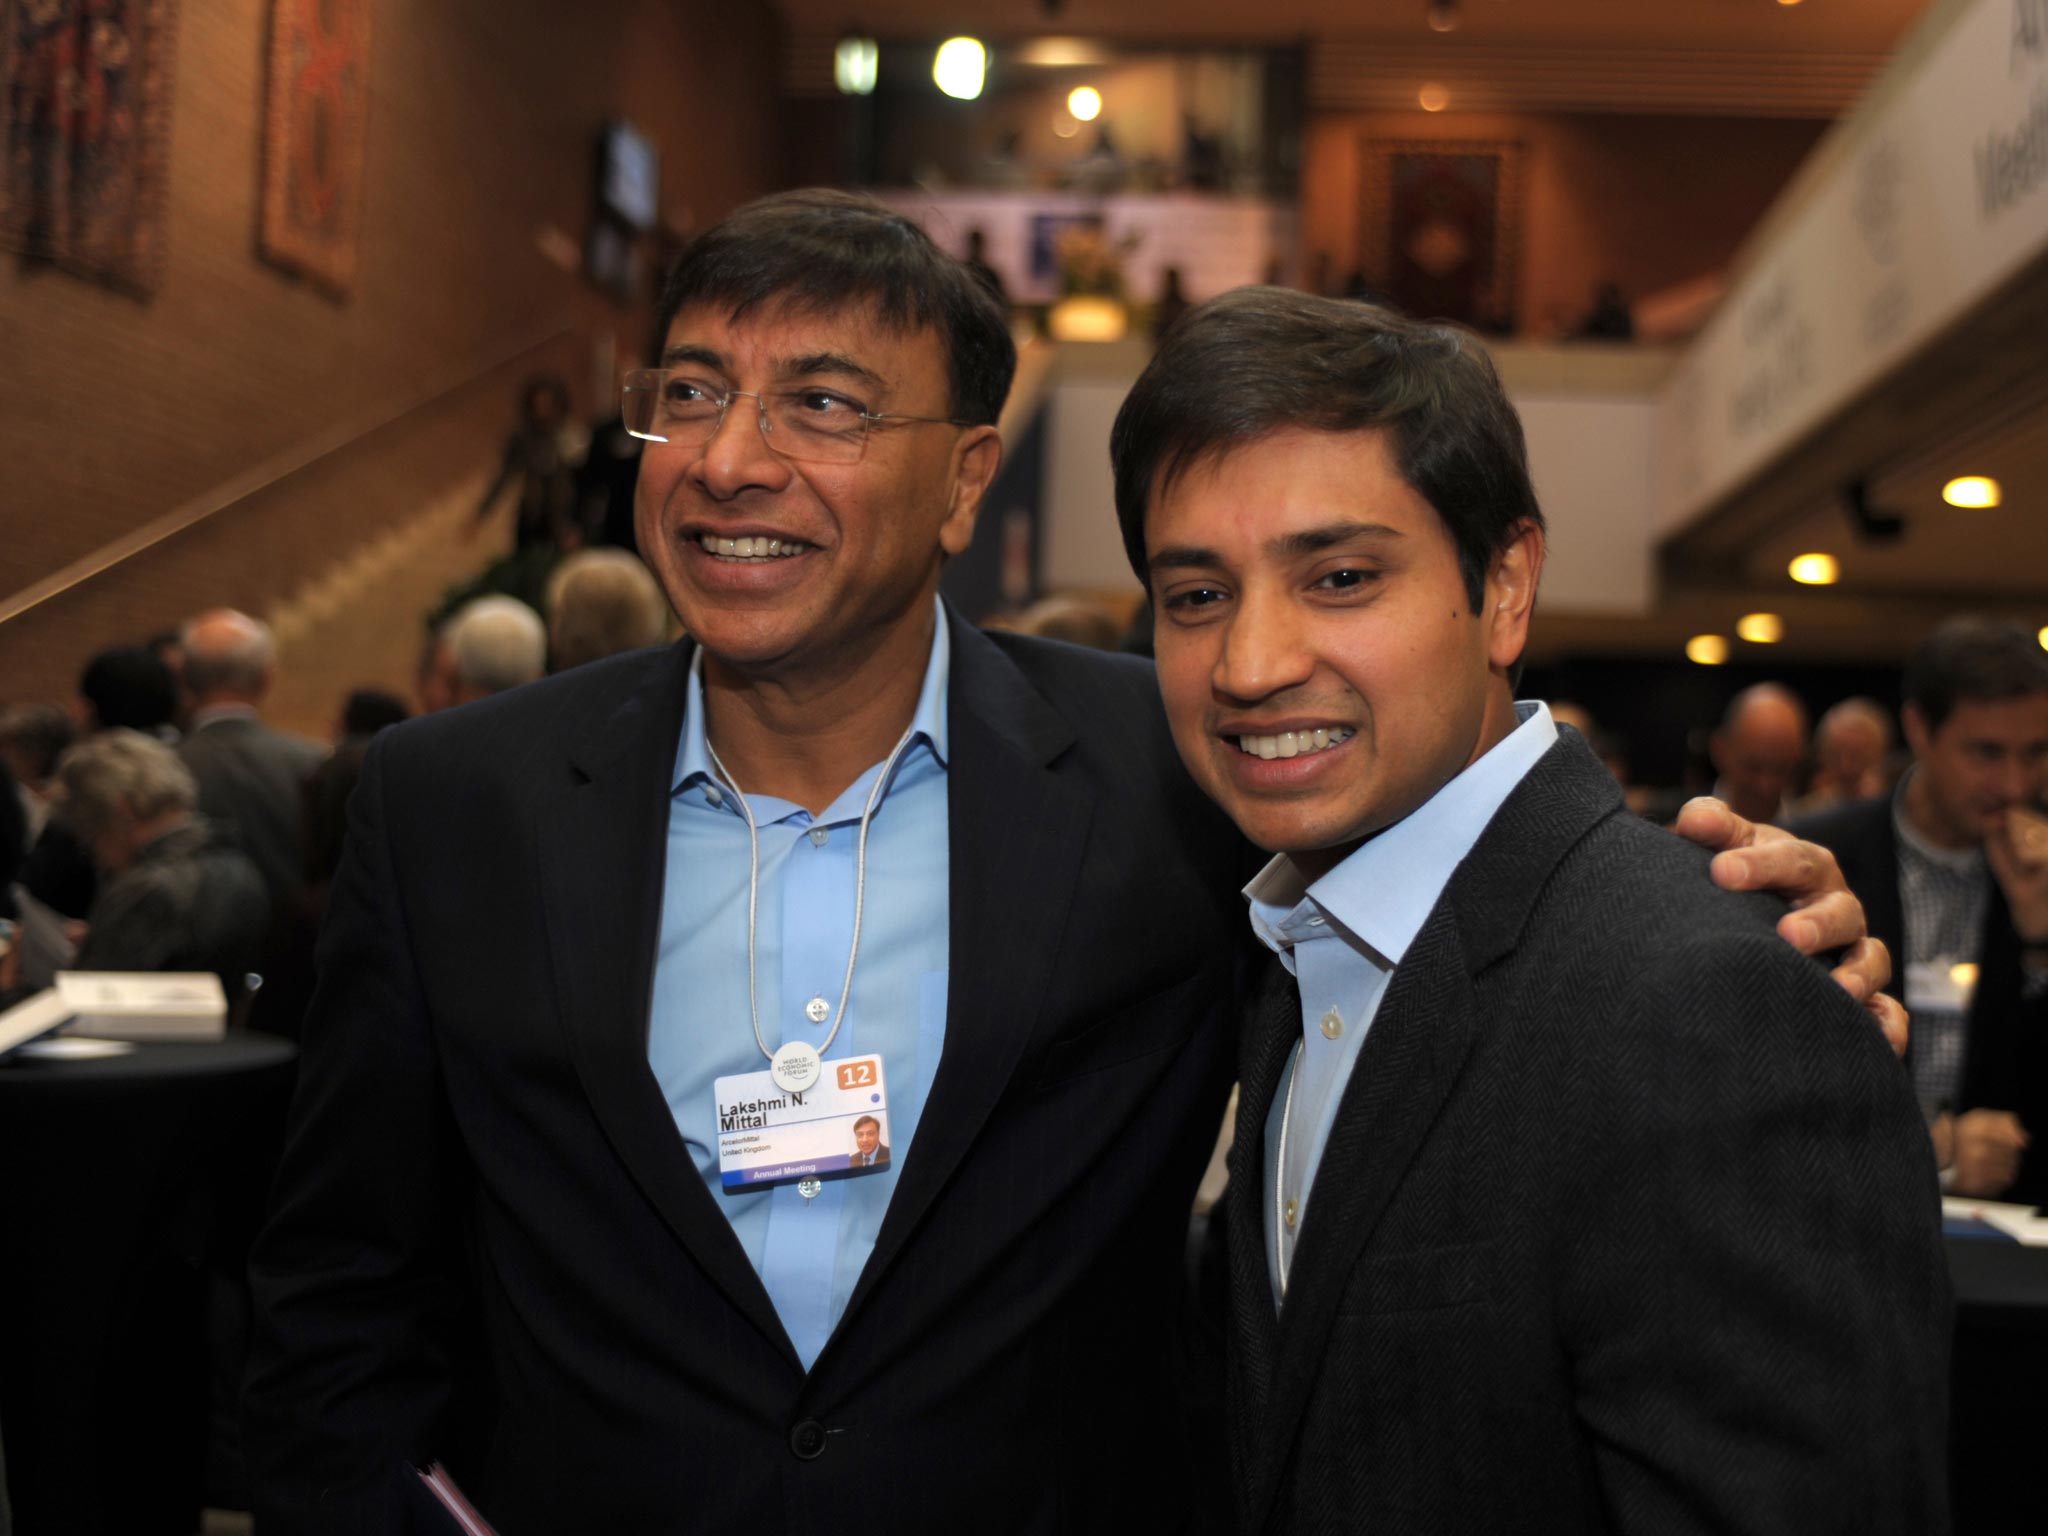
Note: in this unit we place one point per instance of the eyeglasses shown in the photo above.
(808, 422)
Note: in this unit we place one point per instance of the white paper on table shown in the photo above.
(2016, 1221)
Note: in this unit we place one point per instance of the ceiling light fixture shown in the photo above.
(959, 67)
(1442, 15)
(1973, 491)
(1707, 650)
(1815, 570)
(1085, 102)
(1059, 53)
(2043, 637)
(1760, 628)
(855, 64)
(1434, 98)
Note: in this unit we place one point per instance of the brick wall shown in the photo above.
(482, 121)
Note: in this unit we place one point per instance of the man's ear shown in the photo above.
(1511, 595)
(1914, 725)
(976, 458)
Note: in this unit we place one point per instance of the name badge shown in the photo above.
(1940, 986)
(838, 1128)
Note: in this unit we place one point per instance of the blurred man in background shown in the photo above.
(1758, 751)
(602, 602)
(250, 775)
(492, 644)
(1954, 869)
(1850, 746)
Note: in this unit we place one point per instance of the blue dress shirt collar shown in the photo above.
(927, 724)
(1381, 895)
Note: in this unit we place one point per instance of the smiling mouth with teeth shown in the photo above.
(1294, 743)
(750, 548)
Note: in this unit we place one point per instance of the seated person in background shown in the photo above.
(173, 897)
(1757, 752)
(602, 602)
(1565, 1197)
(124, 686)
(1953, 867)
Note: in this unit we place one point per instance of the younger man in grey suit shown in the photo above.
(1564, 1196)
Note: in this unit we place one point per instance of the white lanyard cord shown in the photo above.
(860, 886)
(1280, 1174)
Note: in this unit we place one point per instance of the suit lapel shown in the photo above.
(1017, 834)
(603, 849)
(1421, 1036)
(1272, 1026)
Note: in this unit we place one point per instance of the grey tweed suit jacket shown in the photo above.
(1627, 1221)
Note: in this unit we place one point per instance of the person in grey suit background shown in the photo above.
(251, 777)
(1564, 1196)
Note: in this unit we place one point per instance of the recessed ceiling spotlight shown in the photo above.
(2043, 637)
(959, 67)
(855, 63)
(1788, 2)
(1442, 15)
(1433, 97)
(1972, 491)
(1085, 102)
(1815, 570)
(1760, 628)
(1707, 650)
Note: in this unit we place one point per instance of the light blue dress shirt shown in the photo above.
(1343, 936)
(808, 1253)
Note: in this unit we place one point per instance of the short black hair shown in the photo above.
(1259, 360)
(820, 250)
(129, 686)
(1983, 661)
(868, 1120)
(370, 710)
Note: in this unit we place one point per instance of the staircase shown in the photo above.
(362, 624)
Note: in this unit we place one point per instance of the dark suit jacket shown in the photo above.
(1627, 1220)
(475, 1064)
(853, 1159)
(252, 782)
(2005, 1050)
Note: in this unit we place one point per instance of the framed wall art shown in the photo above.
(1440, 227)
(316, 100)
(85, 121)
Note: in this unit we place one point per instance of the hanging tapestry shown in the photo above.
(1440, 228)
(318, 90)
(85, 87)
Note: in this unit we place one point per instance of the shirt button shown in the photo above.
(817, 1010)
(1291, 1214)
(1333, 1025)
(807, 1440)
(1315, 922)
(820, 836)
(712, 796)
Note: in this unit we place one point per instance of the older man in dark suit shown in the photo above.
(252, 776)
(591, 935)
(1564, 1196)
